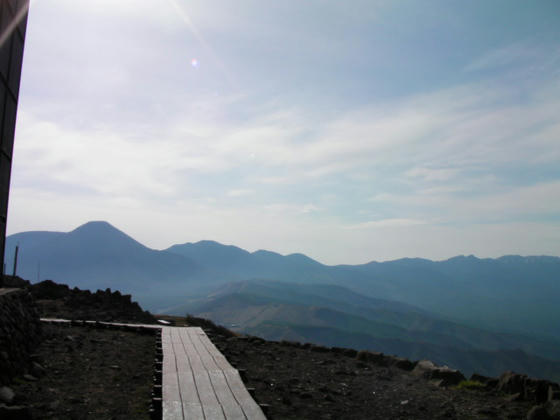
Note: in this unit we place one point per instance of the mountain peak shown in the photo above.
(98, 225)
(103, 234)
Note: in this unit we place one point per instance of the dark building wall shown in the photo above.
(13, 21)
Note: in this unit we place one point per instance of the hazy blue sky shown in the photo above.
(349, 131)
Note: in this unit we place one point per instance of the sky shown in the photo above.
(347, 131)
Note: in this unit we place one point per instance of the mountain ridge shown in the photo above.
(109, 227)
(444, 308)
(465, 289)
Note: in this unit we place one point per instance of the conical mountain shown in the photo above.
(98, 255)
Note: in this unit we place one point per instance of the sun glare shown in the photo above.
(198, 35)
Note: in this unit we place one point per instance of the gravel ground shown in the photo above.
(311, 383)
(90, 373)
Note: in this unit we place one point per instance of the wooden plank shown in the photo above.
(181, 358)
(205, 389)
(213, 412)
(169, 365)
(172, 410)
(188, 389)
(231, 408)
(175, 335)
(172, 407)
(194, 358)
(62, 321)
(6, 290)
(117, 324)
(193, 411)
(170, 388)
(250, 407)
(219, 358)
(206, 358)
(166, 344)
(210, 405)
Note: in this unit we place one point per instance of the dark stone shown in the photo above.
(319, 349)
(515, 397)
(286, 400)
(486, 380)
(553, 409)
(538, 412)
(37, 370)
(350, 352)
(48, 289)
(547, 411)
(553, 393)
(344, 351)
(11, 281)
(15, 412)
(443, 376)
(19, 320)
(402, 363)
(6, 395)
(490, 412)
(372, 357)
(512, 383)
(53, 405)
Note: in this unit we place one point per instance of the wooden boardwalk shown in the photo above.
(6, 290)
(197, 380)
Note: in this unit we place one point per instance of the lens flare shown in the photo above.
(182, 13)
(194, 63)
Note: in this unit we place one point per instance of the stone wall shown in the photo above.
(59, 301)
(20, 332)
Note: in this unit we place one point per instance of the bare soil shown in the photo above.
(311, 383)
(90, 373)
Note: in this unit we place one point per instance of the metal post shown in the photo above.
(15, 260)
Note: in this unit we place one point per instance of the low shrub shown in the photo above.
(470, 385)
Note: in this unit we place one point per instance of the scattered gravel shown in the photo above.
(310, 382)
(89, 373)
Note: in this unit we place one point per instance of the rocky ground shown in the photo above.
(85, 373)
(311, 382)
(107, 374)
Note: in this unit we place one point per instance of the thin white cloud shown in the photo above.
(430, 174)
(240, 193)
(386, 223)
(445, 206)
(310, 208)
(517, 56)
(505, 56)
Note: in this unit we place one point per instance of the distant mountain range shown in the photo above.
(502, 310)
